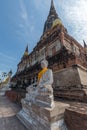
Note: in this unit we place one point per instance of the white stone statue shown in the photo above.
(45, 79)
(43, 93)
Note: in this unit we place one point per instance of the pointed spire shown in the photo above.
(85, 45)
(26, 49)
(51, 17)
(25, 53)
(52, 9)
(52, 3)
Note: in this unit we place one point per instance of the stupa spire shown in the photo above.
(52, 3)
(26, 49)
(51, 17)
(26, 52)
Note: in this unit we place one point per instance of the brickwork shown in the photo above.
(76, 117)
(15, 96)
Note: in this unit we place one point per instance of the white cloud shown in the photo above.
(24, 14)
(75, 15)
(4, 56)
(25, 25)
(40, 4)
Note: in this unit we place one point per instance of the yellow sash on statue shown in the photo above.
(41, 73)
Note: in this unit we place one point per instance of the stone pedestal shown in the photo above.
(37, 114)
(71, 83)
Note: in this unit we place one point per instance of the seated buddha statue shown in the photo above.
(43, 93)
(45, 79)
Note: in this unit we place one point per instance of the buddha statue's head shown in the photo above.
(44, 64)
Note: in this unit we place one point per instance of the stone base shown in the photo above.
(35, 117)
(71, 83)
(77, 95)
(76, 116)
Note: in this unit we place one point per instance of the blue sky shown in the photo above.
(22, 22)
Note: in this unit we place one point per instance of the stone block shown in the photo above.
(71, 83)
(76, 117)
(70, 77)
(35, 117)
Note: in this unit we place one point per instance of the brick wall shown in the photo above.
(15, 96)
(76, 120)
